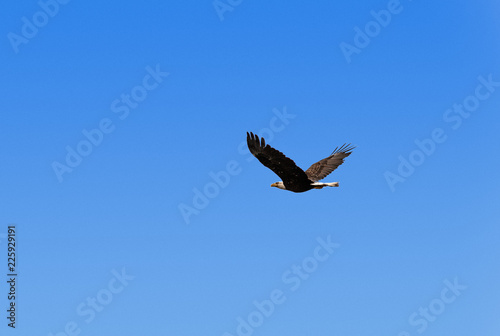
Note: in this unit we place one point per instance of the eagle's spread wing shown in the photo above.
(273, 159)
(323, 168)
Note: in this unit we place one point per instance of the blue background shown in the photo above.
(120, 208)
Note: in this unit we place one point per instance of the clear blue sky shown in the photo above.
(138, 212)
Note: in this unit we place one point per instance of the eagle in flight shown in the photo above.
(294, 178)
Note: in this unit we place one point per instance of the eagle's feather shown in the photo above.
(323, 168)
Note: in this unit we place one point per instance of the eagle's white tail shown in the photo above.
(320, 185)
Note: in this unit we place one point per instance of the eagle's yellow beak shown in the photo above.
(274, 185)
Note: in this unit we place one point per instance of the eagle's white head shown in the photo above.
(279, 185)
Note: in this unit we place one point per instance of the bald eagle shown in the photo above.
(294, 178)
